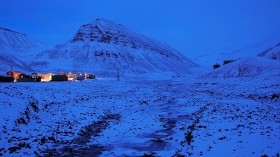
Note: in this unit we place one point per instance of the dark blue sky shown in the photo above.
(193, 27)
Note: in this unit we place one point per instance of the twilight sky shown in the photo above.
(193, 27)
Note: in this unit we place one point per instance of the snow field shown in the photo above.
(183, 116)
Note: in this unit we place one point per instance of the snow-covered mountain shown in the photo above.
(235, 52)
(8, 62)
(272, 53)
(106, 46)
(266, 63)
(17, 42)
(17, 49)
(247, 67)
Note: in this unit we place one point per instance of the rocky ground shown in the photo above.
(179, 117)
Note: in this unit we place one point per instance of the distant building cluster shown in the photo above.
(15, 76)
(216, 66)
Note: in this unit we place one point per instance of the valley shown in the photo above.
(111, 91)
(172, 117)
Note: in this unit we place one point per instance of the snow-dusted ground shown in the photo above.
(183, 116)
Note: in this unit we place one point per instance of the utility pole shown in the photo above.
(118, 76)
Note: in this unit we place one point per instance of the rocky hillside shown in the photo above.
(106, 46)
(272, 53)
(17, 50)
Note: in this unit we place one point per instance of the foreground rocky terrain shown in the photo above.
(178, 117)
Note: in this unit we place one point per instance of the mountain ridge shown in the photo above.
(272, 53)
(16, 50)
(103, 45)
(15, 42)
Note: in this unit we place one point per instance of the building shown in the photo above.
(29, 78)
(45, 77)
(59, 78)
(80, 76)
(6, 79)
(14, 74)
(89, 76)
(70, 76)
(216, 66)
(61, 73)
(228, 61)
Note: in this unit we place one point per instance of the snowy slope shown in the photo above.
(8, 62)
(178, 117)
(14, 41)
(19, 44)
(272, 53)
(247, 67)
(234, 53)
(106, 46)
(266, 63)
(17, 50)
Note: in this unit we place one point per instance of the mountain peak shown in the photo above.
(103, 45)
(104, 31)
(101, 30)
(103, 22)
